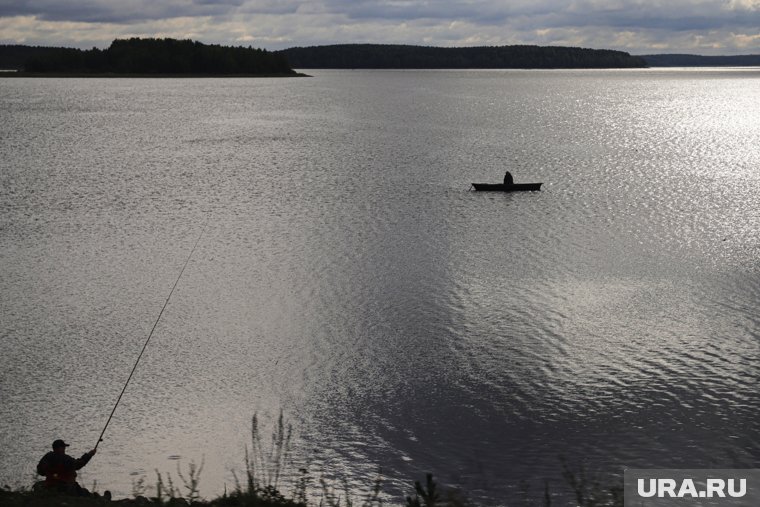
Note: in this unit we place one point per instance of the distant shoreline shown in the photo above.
(685, 60)
(400, 56)
(170, 58)
(19, 74)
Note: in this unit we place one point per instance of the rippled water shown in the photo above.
(348, 276)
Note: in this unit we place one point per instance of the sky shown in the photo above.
(707, 27)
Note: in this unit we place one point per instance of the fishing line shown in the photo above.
(100, 438)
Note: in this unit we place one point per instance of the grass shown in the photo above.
(268, 472)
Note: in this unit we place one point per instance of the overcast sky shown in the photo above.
(638, 26)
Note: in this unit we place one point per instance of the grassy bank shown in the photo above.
(270, 472)
(580, 491)
(32, 499)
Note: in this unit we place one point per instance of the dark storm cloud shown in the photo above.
(110, 11)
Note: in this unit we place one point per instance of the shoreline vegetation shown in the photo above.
(137, 57)
(677, 60)
(274, 478)
(185, 58)
(395, 56)
(16, 74)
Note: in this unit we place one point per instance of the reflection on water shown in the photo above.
(349, 277)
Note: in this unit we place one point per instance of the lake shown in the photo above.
(348, 276)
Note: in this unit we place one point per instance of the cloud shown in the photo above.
(676, 15)
(681, 14)
(706, 26)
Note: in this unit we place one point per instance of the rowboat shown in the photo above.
(514, 187)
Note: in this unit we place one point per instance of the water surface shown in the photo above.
(348, 276)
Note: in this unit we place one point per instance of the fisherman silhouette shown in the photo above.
(60, 469)
(508, 179)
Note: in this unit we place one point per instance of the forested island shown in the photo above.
(390, 56)
(148, 57)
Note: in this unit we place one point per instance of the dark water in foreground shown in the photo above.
(349, 277)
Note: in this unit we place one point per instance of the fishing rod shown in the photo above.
(150, 335)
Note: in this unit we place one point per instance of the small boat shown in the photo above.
(514, 187)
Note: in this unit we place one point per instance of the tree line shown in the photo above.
(149, 57)
(387, 56)
(171, 56)
(676, 60)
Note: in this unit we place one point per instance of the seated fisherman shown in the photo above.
(60, 469)
(508, 179)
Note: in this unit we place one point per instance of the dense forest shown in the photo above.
(382, 56)
(702, 61)
(14, 57)
(185, 57)
(147, 57)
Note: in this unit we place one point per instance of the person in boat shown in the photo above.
(508, 179)
(60, 469)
